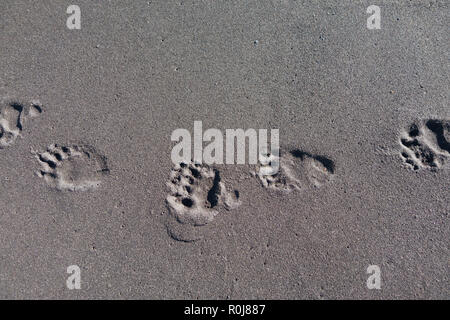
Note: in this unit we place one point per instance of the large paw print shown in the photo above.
(72, 168)
(426, 144)
(197, 193)
(297, 170)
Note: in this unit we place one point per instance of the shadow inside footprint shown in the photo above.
(327, 163)
(439, 128)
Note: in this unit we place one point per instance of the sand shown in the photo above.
(85, 153)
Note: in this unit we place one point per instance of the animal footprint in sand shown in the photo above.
(426, 144)
(197, 193)
(297, 170)
(12, 116)
(72, 168)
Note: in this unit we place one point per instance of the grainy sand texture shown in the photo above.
(86, 171)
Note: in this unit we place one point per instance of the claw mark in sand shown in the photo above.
(72, 168)
(197, 193)
(12, 116)
(426, 144)
(297, 170)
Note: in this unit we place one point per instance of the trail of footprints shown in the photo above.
(198, 192)
(67, 168)
(425, 145)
